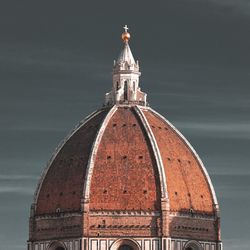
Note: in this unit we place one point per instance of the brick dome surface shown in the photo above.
(62, 182)
(125, 176)
(124, 158)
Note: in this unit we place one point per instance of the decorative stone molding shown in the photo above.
(56, 216)
(125, 213)
(192, 215)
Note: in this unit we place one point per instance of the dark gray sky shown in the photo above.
(55, 66)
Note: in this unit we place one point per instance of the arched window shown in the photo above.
(125, 91)
(57, 245)
(125, 244)
(125, 247)
(193, 245)
(117, 85)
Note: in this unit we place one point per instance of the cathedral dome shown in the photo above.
(125, 179)
(125, 158)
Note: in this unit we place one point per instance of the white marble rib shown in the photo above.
(57, 150)
(194, 152)
(157, 154)
(93, 152)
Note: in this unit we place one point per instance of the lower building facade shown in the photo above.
(128, 243)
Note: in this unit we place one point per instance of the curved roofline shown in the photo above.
(157, 154)
(216, 206)
(57, 150)
(93, 152)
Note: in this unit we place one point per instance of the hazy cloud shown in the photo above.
(237, 5)
(237, 129)
(17, 190)
(17, 177)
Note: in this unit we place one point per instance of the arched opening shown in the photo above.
(125, 244)
(125, 247)
(134, 85)
(125, 91)
(56, 245)
(192, 245)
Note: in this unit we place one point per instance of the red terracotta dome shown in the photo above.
(125, 158)
(125, 178)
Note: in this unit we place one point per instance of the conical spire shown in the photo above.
(126, 55)
(126, 75)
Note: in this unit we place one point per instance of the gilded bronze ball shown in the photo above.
(125, 36)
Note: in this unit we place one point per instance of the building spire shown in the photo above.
(126, 75)
(126, 54)
(125, 34)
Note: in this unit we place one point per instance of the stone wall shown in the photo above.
(56, 227)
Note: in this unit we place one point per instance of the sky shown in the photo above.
(56, 61)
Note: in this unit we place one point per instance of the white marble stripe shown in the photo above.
(195, 154)
(58, 148)
(164, 193)
(93, 153)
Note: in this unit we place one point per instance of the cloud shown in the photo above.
(17, 190)
(20, 184)
(237, 5)
(232, 186)
(17, 177)
(238, 129)
(52, 59)
(236, 243)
